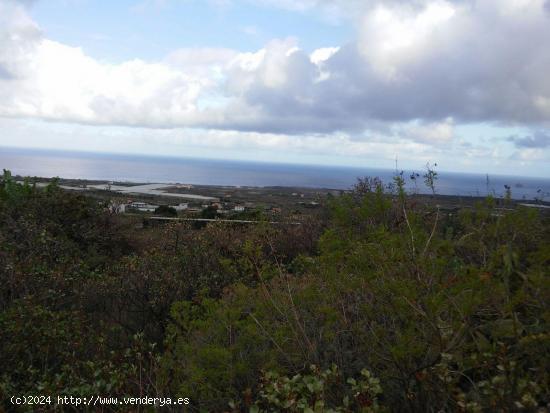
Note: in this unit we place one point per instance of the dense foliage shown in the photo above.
(387, 305)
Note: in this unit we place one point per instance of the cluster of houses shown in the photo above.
(228, 207)
(138, 206)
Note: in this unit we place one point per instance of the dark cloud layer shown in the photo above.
(540, 139)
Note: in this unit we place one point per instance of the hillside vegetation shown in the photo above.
(382, 304)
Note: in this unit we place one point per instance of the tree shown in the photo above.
(166, 211)
(430, 177)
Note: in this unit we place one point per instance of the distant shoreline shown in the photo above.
(183, 191)
(172, 158)
(128, 170)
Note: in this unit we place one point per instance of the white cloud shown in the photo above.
(392, 36)
(321, 55)
(59, 82)
(251, 30)
(432, 133)
(428, 60)
(530, 154)
(332, 11)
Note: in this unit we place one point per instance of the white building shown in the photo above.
(239, 208)
(181, 207)
(143, 207)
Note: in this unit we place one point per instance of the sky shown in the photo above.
(463, 83)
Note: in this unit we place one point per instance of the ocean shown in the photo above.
(134, 168)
